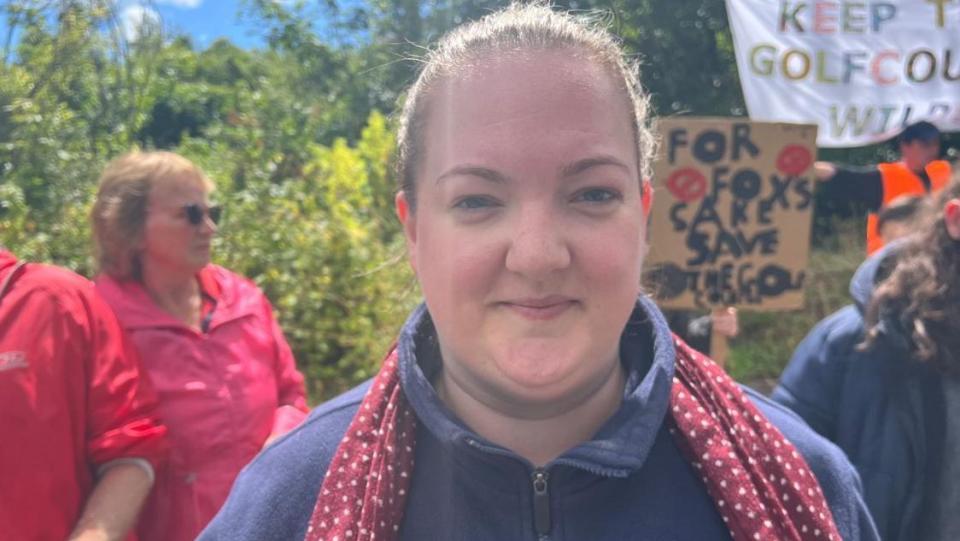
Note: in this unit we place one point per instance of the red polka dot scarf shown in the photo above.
(762, 487)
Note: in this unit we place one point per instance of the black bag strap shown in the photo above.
(9, 279)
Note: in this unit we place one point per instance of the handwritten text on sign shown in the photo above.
(731, 222)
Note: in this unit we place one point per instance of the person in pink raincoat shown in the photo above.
(226, 378)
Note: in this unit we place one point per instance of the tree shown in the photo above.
(72, 89)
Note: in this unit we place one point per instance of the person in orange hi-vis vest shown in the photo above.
(919, 172)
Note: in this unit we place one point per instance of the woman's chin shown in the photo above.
(543, 378)
(200, 261)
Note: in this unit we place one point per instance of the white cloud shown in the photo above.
(134, 18)
(186, 4)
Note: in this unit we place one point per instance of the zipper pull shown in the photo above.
(541, 502)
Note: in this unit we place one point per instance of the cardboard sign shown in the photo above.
(730, 224)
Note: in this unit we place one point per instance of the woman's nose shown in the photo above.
(208, 226)
(538, 245)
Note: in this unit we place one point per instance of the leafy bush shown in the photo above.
(326, 257)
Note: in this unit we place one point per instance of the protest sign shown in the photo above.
(730, 223)
(861, 71)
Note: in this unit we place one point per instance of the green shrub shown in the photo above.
(326, 257)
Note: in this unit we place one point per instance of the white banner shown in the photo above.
(861, 71)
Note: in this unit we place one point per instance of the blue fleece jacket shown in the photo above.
(628, 482)
(876, 405)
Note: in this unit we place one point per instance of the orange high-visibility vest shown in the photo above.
(899, 180)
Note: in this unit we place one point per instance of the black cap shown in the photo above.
(920, 131)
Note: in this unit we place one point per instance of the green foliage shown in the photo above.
(71, 96)
(320, 251)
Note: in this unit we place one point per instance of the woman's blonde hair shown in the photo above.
(120, 209)
(520, 27)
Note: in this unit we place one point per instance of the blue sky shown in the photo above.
(204, 20)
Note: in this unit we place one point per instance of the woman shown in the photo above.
(534, 396)
(885, 386)
(225, 376)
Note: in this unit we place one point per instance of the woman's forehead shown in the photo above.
(180, 186)
(542, 76)
(546, 101)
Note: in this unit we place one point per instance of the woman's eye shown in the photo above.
(475, 202)
(597, 195)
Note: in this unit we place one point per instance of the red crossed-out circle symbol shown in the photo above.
(794, 160)
(687, 184)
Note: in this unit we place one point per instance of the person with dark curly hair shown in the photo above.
(883, 381)
(901, 217)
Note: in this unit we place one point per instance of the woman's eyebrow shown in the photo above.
(580, 166)
(475, 171)
(568, 170)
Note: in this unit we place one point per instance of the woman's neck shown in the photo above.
(175, 293)
(539, 439)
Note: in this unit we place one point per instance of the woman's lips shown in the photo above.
(540, 309)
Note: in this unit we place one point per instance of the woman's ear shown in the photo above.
(409, 222)
(646, 197)
(951, 218)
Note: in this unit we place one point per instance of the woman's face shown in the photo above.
(528, 234)
(170, 241)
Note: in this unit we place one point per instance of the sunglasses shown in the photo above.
(195, 213)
